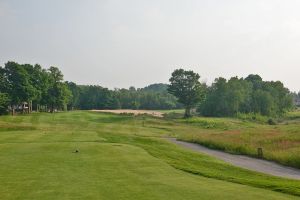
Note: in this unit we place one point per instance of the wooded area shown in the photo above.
(25, 87)
(153, 97)
(21, 84)
(229, 98)
(249, 95)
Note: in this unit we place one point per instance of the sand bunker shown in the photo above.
(135, 112)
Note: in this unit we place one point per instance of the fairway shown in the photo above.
(119, 157)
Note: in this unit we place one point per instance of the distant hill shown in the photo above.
(156, 87)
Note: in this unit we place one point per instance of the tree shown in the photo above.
(216, 102)
(281, 96)
(238, 96)
(75, 90)
(39, 79)
(256, 81)
(263, 103)
(186, 87)
(250, 95)
(154, 96)
(3, 81)
(156, 87)
(58, 93)
(4, 102)
(18, 84)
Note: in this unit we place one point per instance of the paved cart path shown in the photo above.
(246, 162)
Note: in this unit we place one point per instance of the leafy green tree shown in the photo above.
(156, 88)
(215, 103)
(256, 80)
(4, 102)
(186, 87)
(238, 96)
(39, 79)
(3, 81)
(58, 93)
(19, 86)
(263, 103)
(97, 97)
(75, 90)
(250, 95)
(281, 96)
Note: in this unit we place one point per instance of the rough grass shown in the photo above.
(280, 143)
(120, 157)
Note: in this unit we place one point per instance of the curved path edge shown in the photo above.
(254, 164)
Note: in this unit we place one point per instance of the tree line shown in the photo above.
(230, 97)
(45, 90)
(20, 83)
(154, 96)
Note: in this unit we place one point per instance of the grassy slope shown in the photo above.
(280, 143)
(119, 158)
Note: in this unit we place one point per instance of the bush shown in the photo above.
(271, 122)
(208, 123)
(252, 117)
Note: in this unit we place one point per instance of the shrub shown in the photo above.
(271, 122)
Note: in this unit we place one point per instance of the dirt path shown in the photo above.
(135, 112)
(246, 162)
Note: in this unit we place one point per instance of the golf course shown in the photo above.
(93, 155)
(149, 100)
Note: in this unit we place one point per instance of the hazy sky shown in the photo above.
(119, 43)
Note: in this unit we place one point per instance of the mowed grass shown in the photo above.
(280, 143)
(120, 157)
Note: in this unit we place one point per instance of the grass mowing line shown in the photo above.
(200, 164)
